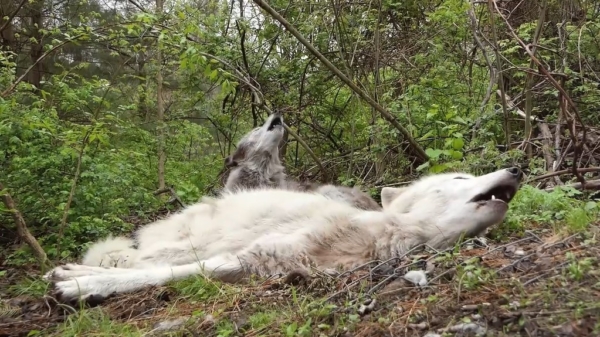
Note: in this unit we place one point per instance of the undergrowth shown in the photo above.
(559, 209)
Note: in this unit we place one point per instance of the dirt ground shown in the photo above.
(534, 284)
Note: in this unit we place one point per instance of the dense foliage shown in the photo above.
(96, 98)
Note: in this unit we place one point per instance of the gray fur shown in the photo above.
(256, 164)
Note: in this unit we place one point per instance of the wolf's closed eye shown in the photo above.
(461, 178)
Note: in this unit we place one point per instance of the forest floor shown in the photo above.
(537, 283)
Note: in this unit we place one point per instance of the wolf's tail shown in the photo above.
(111, 252)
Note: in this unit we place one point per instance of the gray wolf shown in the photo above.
(255, 164)
(269, 231)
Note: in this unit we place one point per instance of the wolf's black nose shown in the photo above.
(516, 172)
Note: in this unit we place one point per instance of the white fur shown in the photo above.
(110, 252)
(271, 231)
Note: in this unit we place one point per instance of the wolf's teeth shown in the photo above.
(493, 197)
(507, 195)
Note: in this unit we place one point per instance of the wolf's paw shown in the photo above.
(89, 289)
(56, 273)
(71, 270)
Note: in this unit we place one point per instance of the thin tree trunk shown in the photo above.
(160, 113)
(37, 49)
(23, 231)
(529, 82)
(500, 76)
(379, 164)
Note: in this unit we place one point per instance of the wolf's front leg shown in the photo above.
(70, 270)
(104, 285)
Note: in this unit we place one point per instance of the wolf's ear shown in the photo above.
(238, 156)
(229, 162)
(389, 194)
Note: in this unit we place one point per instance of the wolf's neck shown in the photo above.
(395, 235)
(269, 164)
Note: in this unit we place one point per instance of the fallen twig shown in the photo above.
(174, 195)
(589, 185)
(561, 172)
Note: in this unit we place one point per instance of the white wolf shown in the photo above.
(254, 164)
(272, 231)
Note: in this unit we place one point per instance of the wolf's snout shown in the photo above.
(515, 172)
(275, 120)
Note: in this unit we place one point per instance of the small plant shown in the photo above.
(199, 288)
(262, 319)
(471, 275)
(33, 287)
(578, 268)
(225, 328)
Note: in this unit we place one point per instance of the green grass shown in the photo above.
(200, 288)
(94, 322)
(557, 210)
(28, 286)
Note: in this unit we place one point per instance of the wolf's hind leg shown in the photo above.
(274, 254)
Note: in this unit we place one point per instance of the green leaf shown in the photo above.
(457, 155)
(438, 168)
(291, 329)
(459, 120)
(427, 135)
(458, 143)
(433, 154)
(422, 166)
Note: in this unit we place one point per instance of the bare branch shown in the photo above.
(12, 16)
(589, 185)
(171, 191)
(562, 172)
(500, 76)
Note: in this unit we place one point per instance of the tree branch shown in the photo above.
(63, 222)
(557, 173)
(12, 16)
(589, 185)
(174, 195)
(22, 77)
(529, 82)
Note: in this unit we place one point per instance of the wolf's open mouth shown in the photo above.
(503, 193)
(277, 121)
